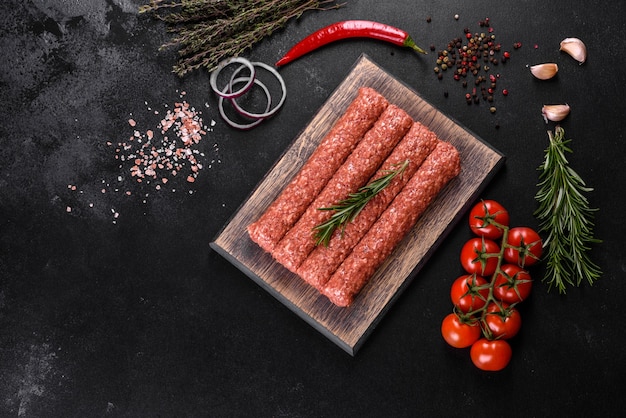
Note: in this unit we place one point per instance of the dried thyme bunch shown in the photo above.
(208, 31)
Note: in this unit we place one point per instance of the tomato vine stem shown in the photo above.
(479, 315)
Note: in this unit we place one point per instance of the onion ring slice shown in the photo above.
(227, 92)
(220, 103)
(267, 112)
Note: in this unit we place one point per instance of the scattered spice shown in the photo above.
(181, 129)
(473, 57)
(152, 158)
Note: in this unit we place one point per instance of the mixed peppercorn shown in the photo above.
(470, 59)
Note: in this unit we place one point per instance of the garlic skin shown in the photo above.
(555, 113)
(575, 48)
(544, 71)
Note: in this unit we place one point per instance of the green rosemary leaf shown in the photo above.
(565, 215)
(348, 209)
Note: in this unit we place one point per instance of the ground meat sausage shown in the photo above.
(438, 169)
(354, 173)
(333, 150)
(322, 262)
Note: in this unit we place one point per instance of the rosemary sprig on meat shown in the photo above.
(208, 31)
(565, 215)
(348, 209)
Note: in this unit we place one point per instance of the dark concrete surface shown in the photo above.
(112, 303)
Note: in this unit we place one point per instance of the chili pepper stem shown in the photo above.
(410, 43)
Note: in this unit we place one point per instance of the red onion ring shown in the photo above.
(267, 112)
(229, 121)
(227, 92)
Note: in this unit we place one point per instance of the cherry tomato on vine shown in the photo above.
(480, 256)
(486, 219)
(513, 284)
(457, 333)
(469, 293)
(491, 355)
(523, 246)
(503, 321)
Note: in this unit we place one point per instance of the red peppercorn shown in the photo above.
(507, 54)
(505, 92)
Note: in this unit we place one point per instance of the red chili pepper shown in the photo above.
(349, 29)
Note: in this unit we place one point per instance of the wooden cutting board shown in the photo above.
(349, 327)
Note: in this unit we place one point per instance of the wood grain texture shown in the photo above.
(350, 327)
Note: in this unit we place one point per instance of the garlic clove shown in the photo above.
(574, 47)
(555, 113)
(544, 71)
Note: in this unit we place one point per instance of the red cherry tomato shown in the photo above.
(480, 256)
(523, 246)
(457, 333)
(503, 321)
(491, 355)
(469, 293)
(487, 218)
(513, 284)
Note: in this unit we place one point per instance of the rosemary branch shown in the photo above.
(348, 209)
(565, 215)
(208, 31)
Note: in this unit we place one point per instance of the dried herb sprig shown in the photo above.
(565, 215)
(348, 209)
(208, 31)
